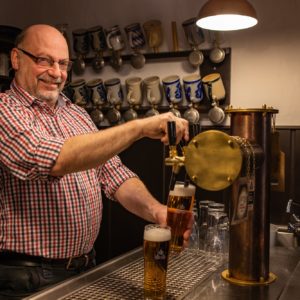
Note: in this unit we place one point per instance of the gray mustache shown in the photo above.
(51, 80)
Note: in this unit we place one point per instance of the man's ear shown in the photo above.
(14, 57)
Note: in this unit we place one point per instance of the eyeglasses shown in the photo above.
(64, 64)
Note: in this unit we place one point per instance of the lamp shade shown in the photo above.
(226, 15)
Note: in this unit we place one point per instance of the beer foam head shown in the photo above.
(157, 234)
(182, 191)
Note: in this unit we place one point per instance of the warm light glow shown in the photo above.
(226, 22)
(227, 15)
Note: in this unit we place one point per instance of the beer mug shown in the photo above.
(180, 204)
(79, 92)
(153, 91)
(156, 253)
(114, 92)
(193, 88)
(81, 41)
(154, 34)
(135, 36)
(97, 93)
(114, 38)
(213, 87)
(172, 88)
(97, 38)
(193, 33)
(134, 90)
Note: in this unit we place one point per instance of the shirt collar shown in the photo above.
(28, 99)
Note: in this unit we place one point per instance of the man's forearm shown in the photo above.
(135, 197)
(87, 151)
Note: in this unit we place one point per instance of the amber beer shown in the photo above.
(180, 205)
(156, 252)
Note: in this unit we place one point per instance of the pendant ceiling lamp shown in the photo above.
(224, 15)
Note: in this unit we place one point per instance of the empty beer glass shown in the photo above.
(156, 253)
(202, 222)
(180, 205)
(217, 233)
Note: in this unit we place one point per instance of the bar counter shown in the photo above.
(190, 276)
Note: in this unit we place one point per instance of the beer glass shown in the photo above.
(156, 252)
(180, 205)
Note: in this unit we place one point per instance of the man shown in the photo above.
(54, 164)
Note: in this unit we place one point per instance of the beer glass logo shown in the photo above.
(161, 258)
(160, 255)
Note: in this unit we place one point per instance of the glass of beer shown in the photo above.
(180, 204)
(156, 253)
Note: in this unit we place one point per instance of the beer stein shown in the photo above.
(97, 38)
(213, 87)
(193, 88)
(134, 90)
(97, 94)
(114, 91)
(98, 44)
(153, 91)
(195, 37)
(153, 30)
(135, 36)
(136, 40)
(179, 212)
(156, 254)
(81, 41)
(172, 88)
(115, 42)
(193, 33)
(79, 92)
(114, 38)
(81, 48)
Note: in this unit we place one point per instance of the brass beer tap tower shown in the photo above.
(215, 160)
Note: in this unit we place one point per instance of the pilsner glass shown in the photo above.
(156, 253)
(180, 204)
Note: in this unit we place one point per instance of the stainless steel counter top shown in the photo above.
(190, 276)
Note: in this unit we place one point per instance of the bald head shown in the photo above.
(36, 43)
(41, 35)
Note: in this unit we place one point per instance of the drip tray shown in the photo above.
(185, 272)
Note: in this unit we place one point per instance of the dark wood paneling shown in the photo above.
(278, 201)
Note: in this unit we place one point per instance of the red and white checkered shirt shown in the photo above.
(39, 214)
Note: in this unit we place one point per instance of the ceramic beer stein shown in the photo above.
(153, 90)
(153, 30)
(134, 90)
(213, 87)
(172, 88)
(193, 88)
(97, 94)
(79, 92)
(114, 91)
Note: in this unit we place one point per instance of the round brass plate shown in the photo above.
(225, 275)
(213, 160)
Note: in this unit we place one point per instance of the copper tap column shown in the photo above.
(249, 240)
